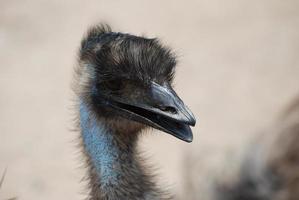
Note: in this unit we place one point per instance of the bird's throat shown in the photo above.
(115, 168)
(110, 153)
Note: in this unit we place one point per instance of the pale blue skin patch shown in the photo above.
(99, 145)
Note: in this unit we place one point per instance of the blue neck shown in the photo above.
(115, 170)
(100, 145)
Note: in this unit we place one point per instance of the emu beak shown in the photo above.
(173, 116)
(161, 108)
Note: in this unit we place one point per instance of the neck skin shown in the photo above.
(114, 168)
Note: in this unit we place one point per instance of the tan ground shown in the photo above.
(239, 66)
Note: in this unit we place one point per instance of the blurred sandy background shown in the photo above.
(239, 66)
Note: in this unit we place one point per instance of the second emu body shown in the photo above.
(123, 84)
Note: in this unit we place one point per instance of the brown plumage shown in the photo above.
(270, 168)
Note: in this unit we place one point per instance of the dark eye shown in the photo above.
(114, 85)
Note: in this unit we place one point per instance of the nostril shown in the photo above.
(168, 109)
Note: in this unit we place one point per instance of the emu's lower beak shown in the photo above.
(161, 108)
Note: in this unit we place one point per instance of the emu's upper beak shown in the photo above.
(161, 108)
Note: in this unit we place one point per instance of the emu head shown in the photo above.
(129, 77)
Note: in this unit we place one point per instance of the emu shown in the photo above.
(123, 84)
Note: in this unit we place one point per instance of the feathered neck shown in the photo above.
(114, 168)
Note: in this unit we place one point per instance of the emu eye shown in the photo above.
(114, 85)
